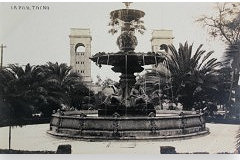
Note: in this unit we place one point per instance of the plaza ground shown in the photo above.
(34, 137)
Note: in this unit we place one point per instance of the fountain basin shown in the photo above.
(159, 127)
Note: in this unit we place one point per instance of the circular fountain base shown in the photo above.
(128, 128)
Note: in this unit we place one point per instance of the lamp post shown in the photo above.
(2, 46)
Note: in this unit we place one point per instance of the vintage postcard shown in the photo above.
(120, 78)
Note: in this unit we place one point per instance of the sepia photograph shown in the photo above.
(153, 78)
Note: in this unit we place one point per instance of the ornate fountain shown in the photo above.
(124, 117)
(127, 62)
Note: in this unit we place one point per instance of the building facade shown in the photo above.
(80, 51)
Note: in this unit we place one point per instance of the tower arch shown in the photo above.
(79, 47)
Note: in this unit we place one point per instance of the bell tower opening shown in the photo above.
(80, 48)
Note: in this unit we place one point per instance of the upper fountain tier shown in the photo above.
(127, 60)
(127, 21)
(127, 15)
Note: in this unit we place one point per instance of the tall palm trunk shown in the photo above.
(232, 58)
(234, 87)
(10, 126)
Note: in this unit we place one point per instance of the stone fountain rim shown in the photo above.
(127, 118)
(181, 130)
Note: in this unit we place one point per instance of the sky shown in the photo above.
(40, 36)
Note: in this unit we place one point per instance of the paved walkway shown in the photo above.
(34, 137)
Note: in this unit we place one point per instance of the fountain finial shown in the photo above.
(127, 4)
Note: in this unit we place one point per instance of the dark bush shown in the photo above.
(167, 150)
(64, 149)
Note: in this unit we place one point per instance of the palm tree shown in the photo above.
(191, 74)
(232, 59)
(16, 90)
(64, 84)
(18, 87)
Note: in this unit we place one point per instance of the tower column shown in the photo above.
(80, 51)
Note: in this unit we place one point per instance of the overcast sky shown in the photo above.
(37, 37)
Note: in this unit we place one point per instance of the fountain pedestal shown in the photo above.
(127, 82)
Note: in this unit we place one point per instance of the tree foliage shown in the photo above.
(225, 24)
(40, 88)
(18, 87)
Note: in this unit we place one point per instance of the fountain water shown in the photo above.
(128, 116)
